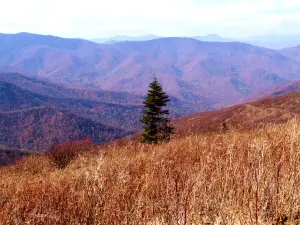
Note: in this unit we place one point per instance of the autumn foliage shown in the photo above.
(236, 177)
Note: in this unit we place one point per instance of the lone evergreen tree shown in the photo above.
(157, 126)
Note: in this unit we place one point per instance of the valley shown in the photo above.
(54, 90)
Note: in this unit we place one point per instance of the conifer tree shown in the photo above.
(156, 126)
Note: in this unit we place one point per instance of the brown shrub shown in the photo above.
(63, 154)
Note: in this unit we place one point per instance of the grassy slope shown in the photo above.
(277, 109)
(235, 177)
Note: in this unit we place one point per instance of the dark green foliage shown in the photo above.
(156, 126)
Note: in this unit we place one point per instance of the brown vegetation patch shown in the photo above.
(272, 110)
(63, 154)
(234, 177)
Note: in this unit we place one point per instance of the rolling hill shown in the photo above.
(39, 128)
(271, 110)
(276, 42)
(42, 87)
(213, 74)
(15, 98)
(292, 87)
(48, 114)
(292, 52)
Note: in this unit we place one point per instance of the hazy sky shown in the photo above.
(99, 18)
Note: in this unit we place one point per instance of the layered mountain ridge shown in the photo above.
(213, 74)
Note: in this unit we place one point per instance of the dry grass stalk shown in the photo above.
(216, 178)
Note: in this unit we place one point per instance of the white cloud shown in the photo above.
(96, 18)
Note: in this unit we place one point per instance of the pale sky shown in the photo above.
(99, 18)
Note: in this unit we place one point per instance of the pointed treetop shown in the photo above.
(156, 124)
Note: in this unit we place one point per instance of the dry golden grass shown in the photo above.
(272, 110)
(237, 177)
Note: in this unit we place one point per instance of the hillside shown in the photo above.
(276, 109)
(292, 52)
(277, 42)
(212, 74)
(214, 178)
(36, 122)
(39, 128)
(49, 89)
(15, 98)
(292, 87)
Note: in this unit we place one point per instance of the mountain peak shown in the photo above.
(212, 35)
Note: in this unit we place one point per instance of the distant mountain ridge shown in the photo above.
(121, 38)
(293, 52)
(213, 38)
(276, 42)
(149, 37)
(204, 74)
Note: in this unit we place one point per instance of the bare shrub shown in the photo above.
(63, 154)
